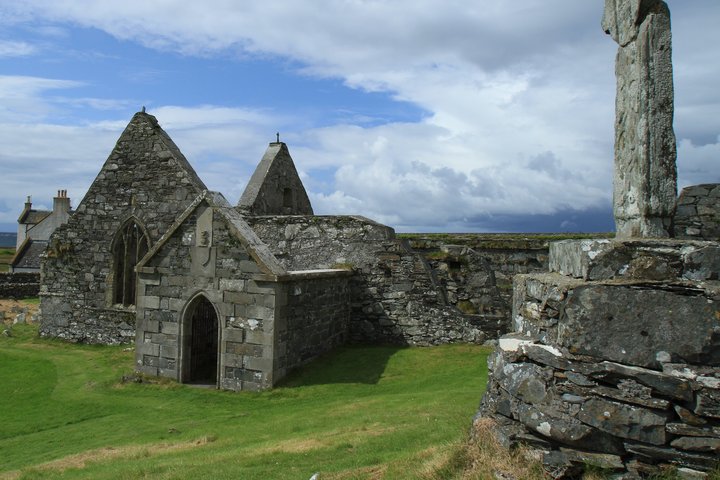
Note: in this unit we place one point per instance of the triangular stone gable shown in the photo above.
(145, 176)
(275, 188)
(236, 225)
(145, 180)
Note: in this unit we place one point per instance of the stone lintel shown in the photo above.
(641, 259)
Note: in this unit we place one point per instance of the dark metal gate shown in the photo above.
(203, 343)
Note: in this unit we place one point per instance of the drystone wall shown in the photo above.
(615, 359)
(477, 270)
(19, 285)
(396, 295)
(698, 212)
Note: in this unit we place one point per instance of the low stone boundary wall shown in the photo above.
(615, 359)
(698, 212)
(19, 285)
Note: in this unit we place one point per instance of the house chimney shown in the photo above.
(61, 203)
(28, 203)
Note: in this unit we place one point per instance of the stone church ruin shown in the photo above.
(615, 357)
(236, 296)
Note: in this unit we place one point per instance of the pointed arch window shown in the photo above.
(131, 245)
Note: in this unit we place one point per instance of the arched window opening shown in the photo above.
(131, 245)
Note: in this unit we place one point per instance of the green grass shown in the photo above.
(6, 254)
(361, 412)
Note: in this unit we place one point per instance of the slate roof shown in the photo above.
(33, 217)
(28, 255)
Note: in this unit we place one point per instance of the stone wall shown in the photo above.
(396, 296)
(19, 285)
(698, 212)
(477, 270)
(615, 359)
(265, 323)
(314, 320)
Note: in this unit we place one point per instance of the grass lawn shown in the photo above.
(6, 254)
(361, 412)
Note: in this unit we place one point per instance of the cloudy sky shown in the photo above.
(427, 115)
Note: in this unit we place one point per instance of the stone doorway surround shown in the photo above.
(199, 348)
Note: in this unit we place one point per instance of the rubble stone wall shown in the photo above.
(614, 360)
(145, 178)
(477, 270)
(313, 321)
(698, 212)
(19, 285)
(397, 297)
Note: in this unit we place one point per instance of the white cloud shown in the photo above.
(519, 96)
(21, 97)
(9, 48)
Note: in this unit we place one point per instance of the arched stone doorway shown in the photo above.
(200, 342)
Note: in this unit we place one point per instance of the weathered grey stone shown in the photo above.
(689, 417)
(665, 385)
(580, 379)
(626, 421)
(697, 444)
(566, 429)
(526, 381)
(691, 431)
(544, 355)
(652, 259)
(645, 151)
(690, 474)
(275, 187)
(702, 461)
(600, 460)
(615, 394)
(698, 214)
(398, 296)
(637, 321)
(708, 403)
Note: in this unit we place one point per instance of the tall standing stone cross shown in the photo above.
(645, 181)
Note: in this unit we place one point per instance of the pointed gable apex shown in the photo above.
(275, 188)
(144, 147)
